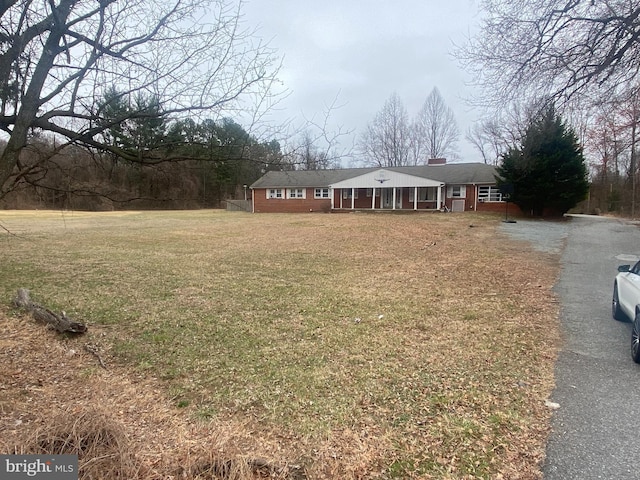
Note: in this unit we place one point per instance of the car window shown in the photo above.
(636, 269)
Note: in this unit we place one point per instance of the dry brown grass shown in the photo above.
(99, 441)
(55, 400)
(234, 348)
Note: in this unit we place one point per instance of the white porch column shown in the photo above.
(439, 200)
(394, 198)
(341, 196)
(353, 198)
(373, 199)
(332, 193)
(415, 198)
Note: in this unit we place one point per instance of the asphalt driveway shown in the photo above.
(597, 383)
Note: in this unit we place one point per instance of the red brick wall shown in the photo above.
(262, 204)
(471, 203)
(499, 207)
(469, 198)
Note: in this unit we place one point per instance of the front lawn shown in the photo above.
(345, 345)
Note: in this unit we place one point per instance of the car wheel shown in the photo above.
(635, 339)
(616, 311)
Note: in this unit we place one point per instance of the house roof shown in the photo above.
(454, 173)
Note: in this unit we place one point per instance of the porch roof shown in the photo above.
(454, 173)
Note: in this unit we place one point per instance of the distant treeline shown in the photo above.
(186, 165)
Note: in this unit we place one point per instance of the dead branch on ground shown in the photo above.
(61, 322)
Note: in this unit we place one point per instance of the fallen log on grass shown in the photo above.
(61, 323)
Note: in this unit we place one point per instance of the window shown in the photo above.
(274, 193)
(370, 192)
(488, 193)
(457, 191)
(346, 193)
(321, 193)
(296, 193)
(425, 194)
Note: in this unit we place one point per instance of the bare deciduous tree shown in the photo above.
(306, 155)
(611, 141)
(435, 129)
(606, 142)
(495, 134)
(58, 58)
(554, 48)
(488, 138)
(386, 142)
(392, 140)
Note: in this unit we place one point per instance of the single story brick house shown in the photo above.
(457, 187)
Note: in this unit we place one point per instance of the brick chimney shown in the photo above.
(437, 161)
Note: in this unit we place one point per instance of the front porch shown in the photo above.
(388, 198)
(387, 190)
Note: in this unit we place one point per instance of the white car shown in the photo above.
(625, 304)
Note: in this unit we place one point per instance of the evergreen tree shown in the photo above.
(136, 127)
(547, 172)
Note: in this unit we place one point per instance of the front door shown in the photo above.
(387, 198)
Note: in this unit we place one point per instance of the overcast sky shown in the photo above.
(364, 50)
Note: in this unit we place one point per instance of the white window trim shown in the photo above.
(489, 193)
(322, 191)
(463, 191)
(275, 194)
(292, 193)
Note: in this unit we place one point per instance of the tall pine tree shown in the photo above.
(547, 171)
